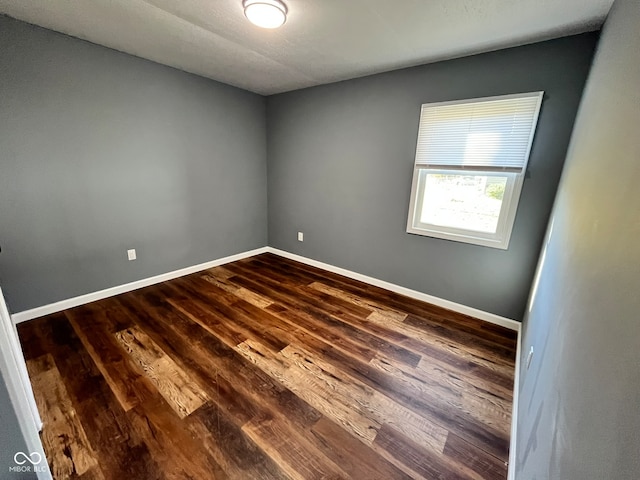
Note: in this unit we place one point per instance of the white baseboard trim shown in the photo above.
(441, 302)
(511, 475)
(127, 287)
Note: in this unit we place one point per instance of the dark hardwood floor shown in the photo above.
(266, 369)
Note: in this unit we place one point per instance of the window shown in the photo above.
(471, 158)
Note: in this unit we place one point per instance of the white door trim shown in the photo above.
(14, 373)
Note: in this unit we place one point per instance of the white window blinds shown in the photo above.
(481, 134)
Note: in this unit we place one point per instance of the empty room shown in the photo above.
(305, 239)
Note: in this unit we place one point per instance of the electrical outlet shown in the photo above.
(131, 254)
(530, 357)
(300, 237)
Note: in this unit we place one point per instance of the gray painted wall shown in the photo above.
(101, 151)
(341, 159)
(579, 410)
(11, 440)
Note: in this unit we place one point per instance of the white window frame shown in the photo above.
(515, 180)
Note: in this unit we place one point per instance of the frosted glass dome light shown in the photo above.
(265, 13)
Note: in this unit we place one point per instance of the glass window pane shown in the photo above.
(467, 201)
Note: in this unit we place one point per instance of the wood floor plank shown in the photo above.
(359, 409)
(462, 452)
(497, 352)
(394, 300)
(288, 445)
(119, 449)
(112, 316)
(127, 382)
(217, 428)
(340, 322)
(353, 456)
(30, 341)
(337, 305)
(68, 450)
(295, 324)
(244, 458)
(466, 399)
(270, 369)
(462, 356)
(386, 313)
(178, 453)
(292, 457)
(218, 303)
(416, 461)
(396, 315)
(221, 272)
(288, 451)
(371, 403)
(181, 392)
(312, 391)
(152, 419)
(199, 352)
(240, 292)
(338, 334)
(226, 375)
(320, 328)
(315, 388)
(480, 383)
(423, 403)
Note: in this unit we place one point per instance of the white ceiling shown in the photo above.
(323, 40)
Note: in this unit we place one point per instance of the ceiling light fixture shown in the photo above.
(265, 13)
